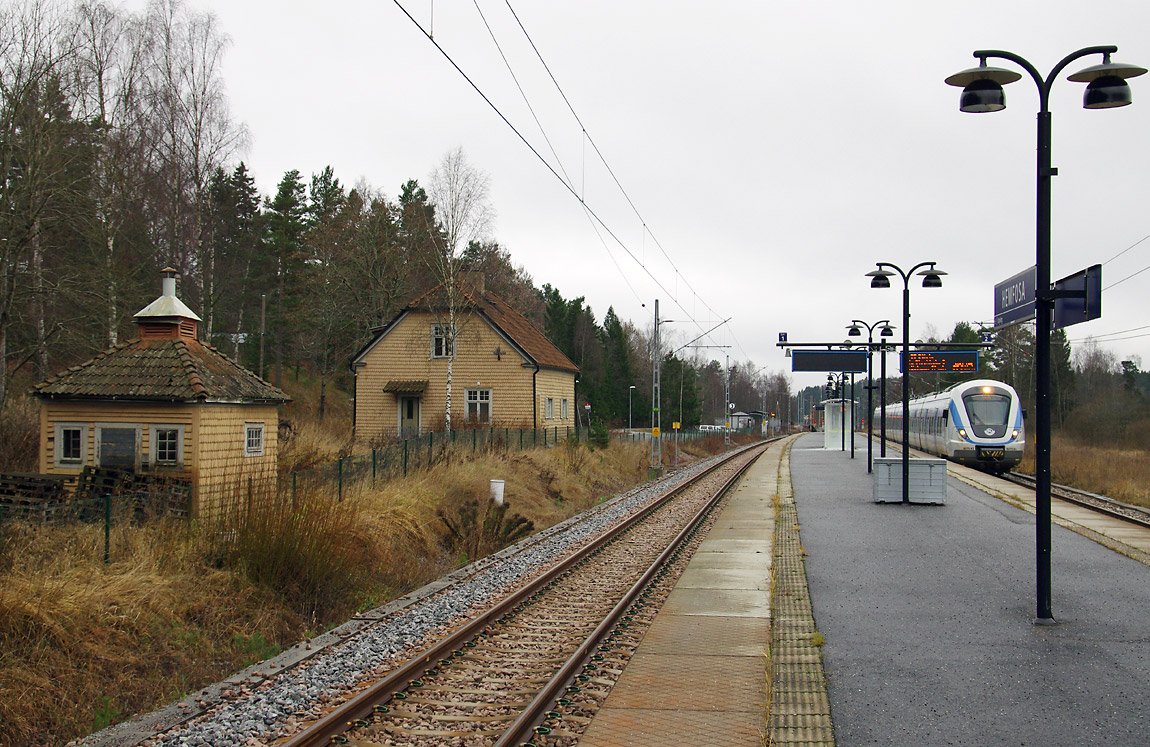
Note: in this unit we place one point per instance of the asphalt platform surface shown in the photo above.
(928, 614)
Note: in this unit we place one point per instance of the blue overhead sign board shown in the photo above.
(846, 361)
(1085, 300)
(1014, 298)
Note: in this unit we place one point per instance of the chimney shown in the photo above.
(167, 317)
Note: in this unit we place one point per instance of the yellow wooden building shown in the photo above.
(166, 403)
(505, 372)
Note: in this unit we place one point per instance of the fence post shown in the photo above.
(340, 479)
(293, 475)
(373, 468)
(521, 439)
(474, 431)
(430, 447)
(405, 457)
(507, 439)
(107, 525)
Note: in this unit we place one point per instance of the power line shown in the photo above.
(1123, 280)
(549, 167)
(607, 166)
(1136, 243)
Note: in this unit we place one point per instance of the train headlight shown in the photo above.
(1014, 434)
(962, 432)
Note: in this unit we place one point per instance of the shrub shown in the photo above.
(598, 435)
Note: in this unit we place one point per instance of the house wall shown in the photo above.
(225, 474)
(91, 414)
(404, 354)
(213, 444)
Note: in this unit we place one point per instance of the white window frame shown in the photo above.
(153, 441)
(473, 402)
(58, 444)
(565, 413)
(251, 450)
(549, 409)
(438, 332)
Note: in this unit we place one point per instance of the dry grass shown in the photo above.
(181, 605)
(1119, 473)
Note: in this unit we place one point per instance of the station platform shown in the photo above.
(928, 615)
(923, 617)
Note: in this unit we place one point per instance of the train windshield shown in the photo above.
(987, 409)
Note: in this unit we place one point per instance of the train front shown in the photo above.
(988, 418)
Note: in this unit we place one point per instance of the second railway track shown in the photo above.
(501, 678)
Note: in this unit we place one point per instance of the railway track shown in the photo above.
(530, 669)
(1101, 504)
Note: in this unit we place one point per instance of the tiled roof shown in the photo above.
(506, 319)
(180, 370)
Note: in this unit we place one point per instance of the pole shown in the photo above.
(906, 389)
(852, 415)
(656, 419)
(869, 404)
(1042, 373)
(882, 404)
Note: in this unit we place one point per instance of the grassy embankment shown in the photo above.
(83, 644)
(1119, 473)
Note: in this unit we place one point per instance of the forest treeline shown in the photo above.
(121, 157)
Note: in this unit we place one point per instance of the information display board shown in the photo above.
(964, 361)
(849, 361)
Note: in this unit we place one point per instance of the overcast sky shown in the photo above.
(774, 150)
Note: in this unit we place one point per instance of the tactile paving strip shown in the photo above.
(799, 712)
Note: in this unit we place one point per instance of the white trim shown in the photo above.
(478, 402)
(153, 440)
(58, 441)
(549, 409)
(249, 429)
(452, 343)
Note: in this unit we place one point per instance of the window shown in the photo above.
(167, 445)
(441, 346)
(253, 439)
(479, 405)
(71, 444)
(549, 409)
(563, 408)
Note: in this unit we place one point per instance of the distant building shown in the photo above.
(164, 402)
(505, 374)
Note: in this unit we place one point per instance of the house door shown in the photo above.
(408, 417)
(116, 447)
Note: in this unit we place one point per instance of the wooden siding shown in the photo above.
(213, 447)
(224, 474)
(404, 353)
(53, 412)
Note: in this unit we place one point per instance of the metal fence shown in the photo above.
(420, 453)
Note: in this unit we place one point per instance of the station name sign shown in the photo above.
(848, 361)
(1014, 298)
(963, 361)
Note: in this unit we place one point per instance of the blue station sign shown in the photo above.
(1014, 298)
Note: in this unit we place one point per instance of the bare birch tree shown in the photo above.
(460, 194)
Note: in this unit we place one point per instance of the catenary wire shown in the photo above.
(1136, 243)
(542, 160)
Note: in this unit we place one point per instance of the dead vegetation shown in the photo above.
(183, 604)
(1115, 472)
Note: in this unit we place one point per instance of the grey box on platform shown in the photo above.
(927, 480)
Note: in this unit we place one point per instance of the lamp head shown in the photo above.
(879, 278)
(887, 331)
(854, 331)
(932, 277)
(982, 87)
(1106, 83)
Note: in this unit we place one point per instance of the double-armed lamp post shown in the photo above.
(855, 330)
(931, 278)
(982, 92)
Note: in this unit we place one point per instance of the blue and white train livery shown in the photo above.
(977, 423)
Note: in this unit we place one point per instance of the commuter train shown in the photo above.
(977, 423)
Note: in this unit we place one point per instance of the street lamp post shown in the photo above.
(880, 278)
(630, 389)
(982, 92)
(855, 331)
